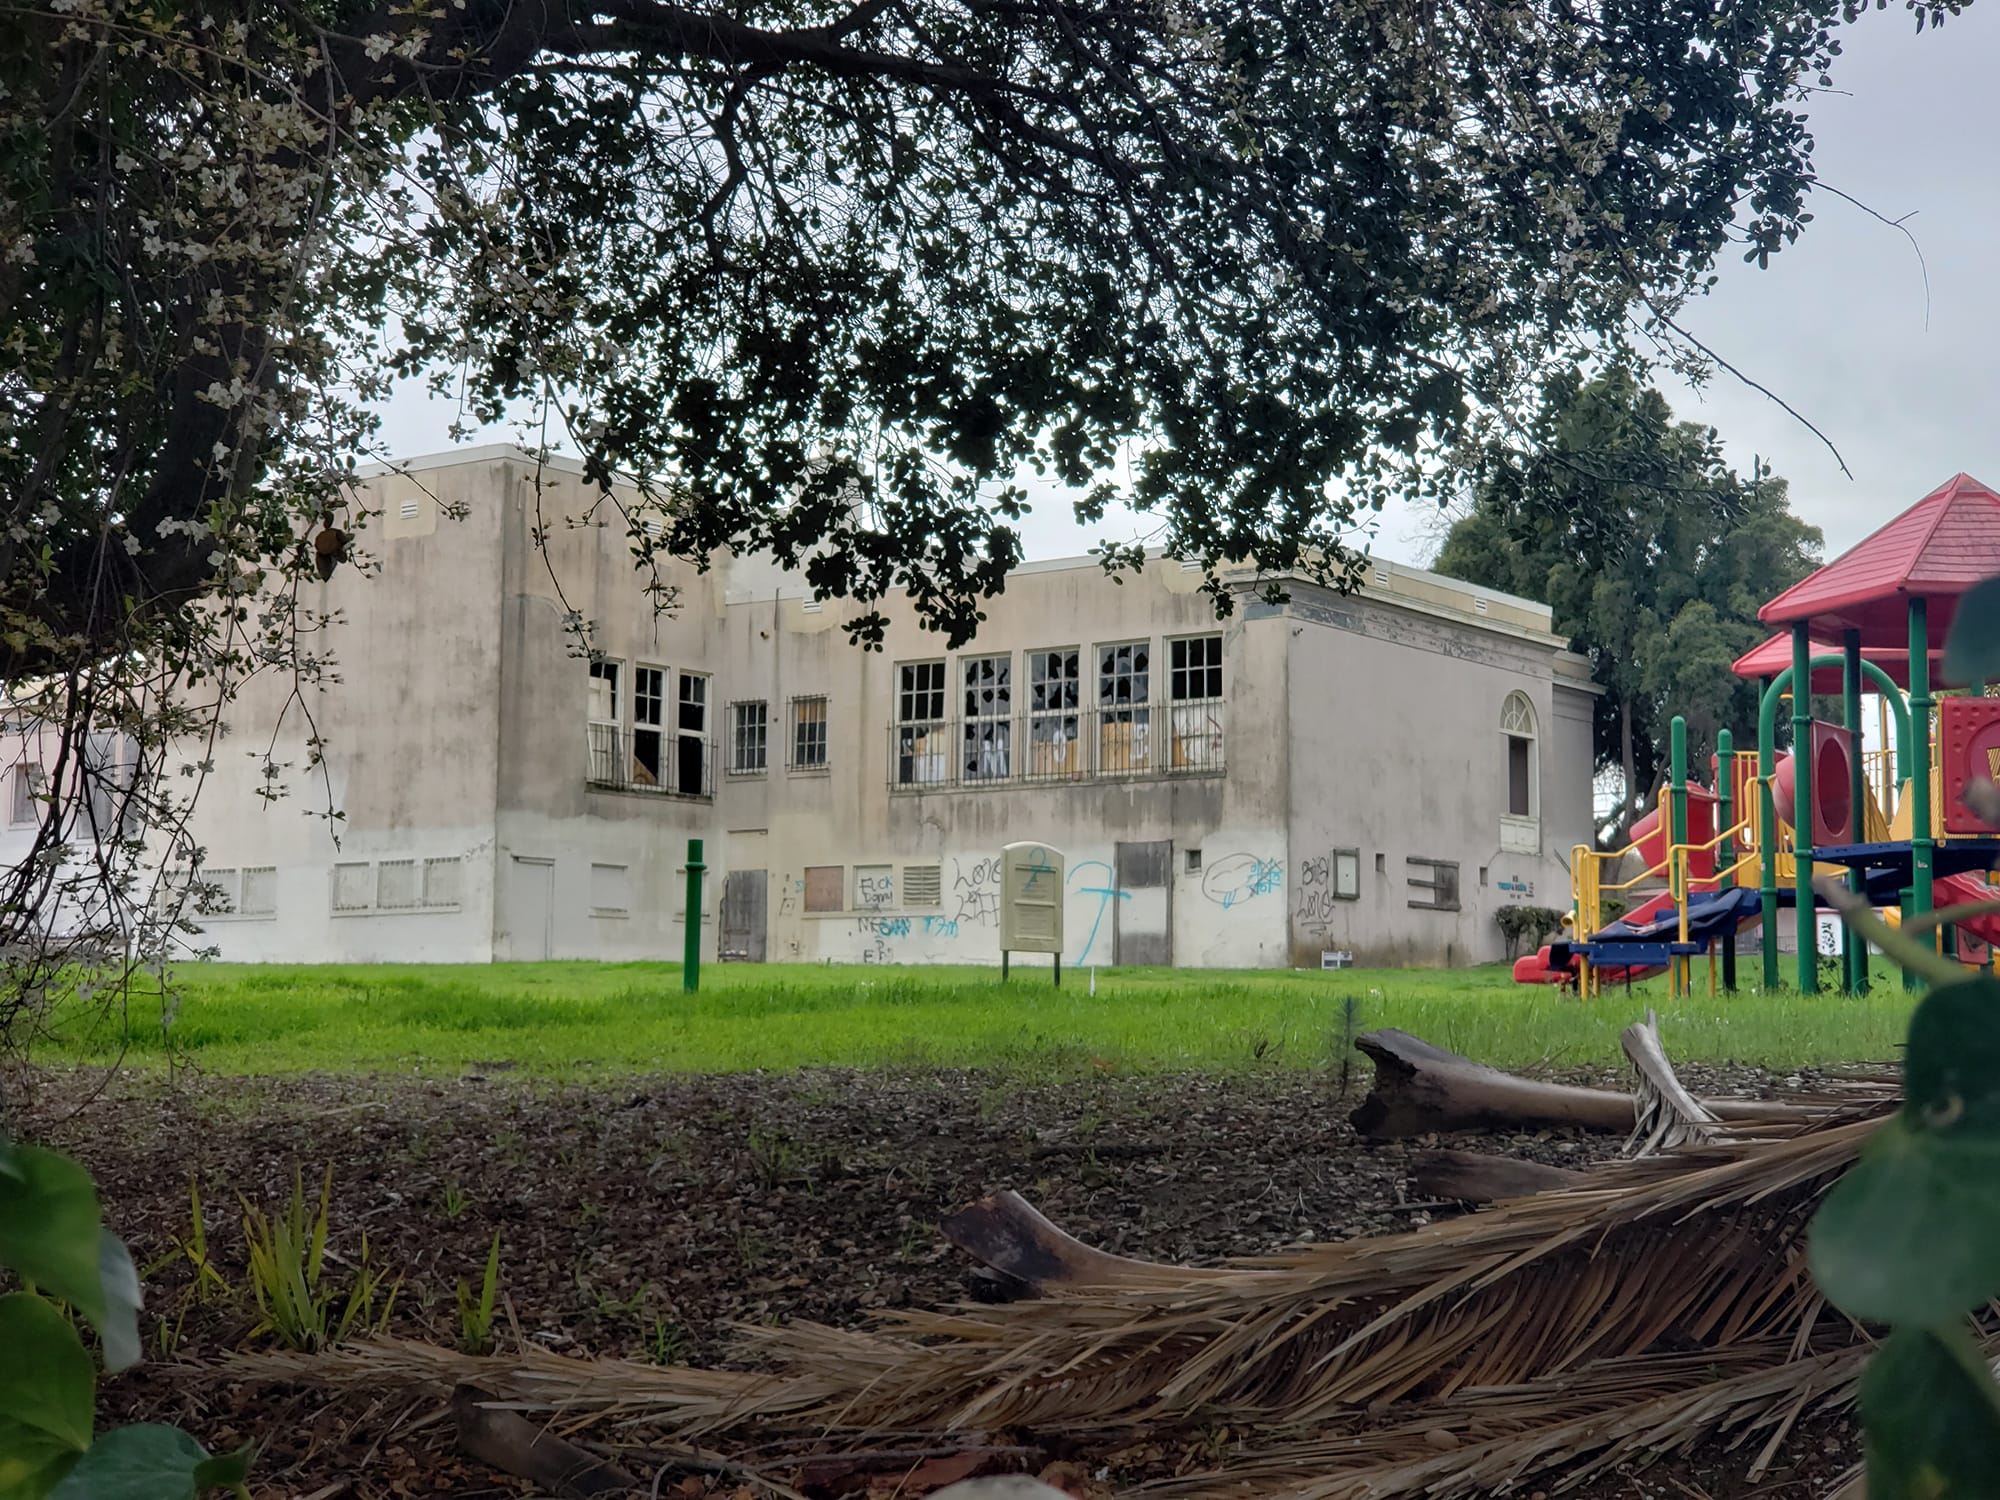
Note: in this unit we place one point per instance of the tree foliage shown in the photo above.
(1654, 556)
(826, 278)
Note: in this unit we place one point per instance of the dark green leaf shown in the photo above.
(31, 1461)
(49, 1228)
(46, 1380)
(143, 1462)
(1912, 1234)
(1972, 649)
(225, 1469)
(1930, 1416)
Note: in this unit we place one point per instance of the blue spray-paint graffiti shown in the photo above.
(944, 927)
(1241, 877)
(1038, 866)
(1106, 892)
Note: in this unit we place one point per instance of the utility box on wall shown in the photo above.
(1031, 901)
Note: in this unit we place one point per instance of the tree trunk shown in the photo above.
(1625, 756)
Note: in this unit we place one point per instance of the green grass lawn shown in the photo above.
(568, 1018)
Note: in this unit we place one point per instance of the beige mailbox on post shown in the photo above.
(1031, 903)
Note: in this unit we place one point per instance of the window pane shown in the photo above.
(750, 733)
(809, 733)
(604, 691)
(1517, 776)
(649, 695)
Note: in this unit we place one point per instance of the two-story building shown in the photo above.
(1372, 774)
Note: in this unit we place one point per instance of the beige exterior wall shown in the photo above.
(458, 730)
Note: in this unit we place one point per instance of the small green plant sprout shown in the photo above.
(667, 1344)
(475, 1314)
(456, 1200)
(52, 1237)
(295, 1302)
(193, 1248)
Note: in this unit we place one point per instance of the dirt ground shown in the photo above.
(642, 1217)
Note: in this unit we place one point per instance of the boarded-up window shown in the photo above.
(398, 885)
(353, 887)
(441, 881)
(260, 891)
(610, 890)
(874, 887)
(824, 887)
(1433, 884)
(1347, 874)
(923, 885)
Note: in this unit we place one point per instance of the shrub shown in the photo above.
(1526, 923)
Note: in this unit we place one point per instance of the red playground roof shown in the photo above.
(1775, 655)
(1936, 550)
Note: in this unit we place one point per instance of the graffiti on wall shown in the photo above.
(975, 893)
(1312, 911)
(1104, 889)
(1236, 878)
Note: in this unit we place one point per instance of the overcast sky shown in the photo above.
(1836, 326)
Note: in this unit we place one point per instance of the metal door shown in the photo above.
(528, 907)
(743, 897)
(1142, 913)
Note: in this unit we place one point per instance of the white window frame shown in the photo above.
(796, 720)
(920, 756)
(986, 743)
(739, 731)
(1124, 725)
(1520, 833)
(1055, 711)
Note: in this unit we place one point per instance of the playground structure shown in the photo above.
(1723, 860)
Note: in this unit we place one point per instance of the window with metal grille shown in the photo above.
(825, 887)
(1124, 717)
(610, 890)
(988, 752)
(1434, 883)
(1195, 669)
(260, 891)
(809, 734)
(749, 730)
(1054, 690)
(218, 893)
(353, 887)
(607, 753)
(398, 885)
(920, 692)
(441, 881)
(923, 885)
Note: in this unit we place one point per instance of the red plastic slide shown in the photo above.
(1952, 890)
(1534, 968)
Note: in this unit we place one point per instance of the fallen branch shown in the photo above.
(1419, 1088)
(1004, 1231)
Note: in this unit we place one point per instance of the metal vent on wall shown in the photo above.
(923, 885)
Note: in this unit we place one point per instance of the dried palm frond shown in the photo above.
(1667, 1116)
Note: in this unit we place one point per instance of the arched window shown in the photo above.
(1517, 728)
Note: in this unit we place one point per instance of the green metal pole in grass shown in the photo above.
(691, 943)
(1920, 764)
(1725, 854)
(1854, 950)
(1767, 833)
(1802, 822)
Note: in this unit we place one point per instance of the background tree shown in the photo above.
(1653, 554)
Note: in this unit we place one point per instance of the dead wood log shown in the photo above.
(1004, 1231)
(1476, 1177)
(1419, 1088)
(507, 1441)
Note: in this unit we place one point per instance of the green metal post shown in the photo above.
(1920, 760)
(1725, 854)
(1677, 781)
(1802, 823)
(691, 948)
(1854, 950)
(1767, 833)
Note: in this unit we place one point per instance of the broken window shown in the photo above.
(1054, 690)
(989, 717)
(809, 734)
(606, 754)
(1124, 717)
(748, 731)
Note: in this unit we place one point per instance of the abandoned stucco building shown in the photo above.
(1372, 775)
